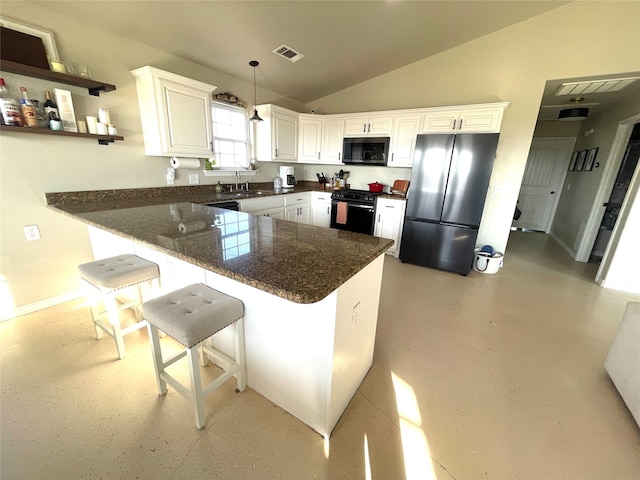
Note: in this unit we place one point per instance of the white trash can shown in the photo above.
(486, 263)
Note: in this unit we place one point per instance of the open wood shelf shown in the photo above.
(93, 86)
(102, 139)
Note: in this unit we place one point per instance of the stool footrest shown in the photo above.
(173, 359)
(179, 387)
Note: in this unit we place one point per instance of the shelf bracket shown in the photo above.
(95, 91)
(105, 141)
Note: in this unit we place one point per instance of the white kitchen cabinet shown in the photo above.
(255, 205)
(332, 141)
(321, 209)
(277, 134)
(403, 140)
(369, 126)
(485, 118)
(175, 113)
(389, 221)
(298, 207)
(309, 138)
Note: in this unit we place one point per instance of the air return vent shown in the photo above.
(595, 86)
(288, 53)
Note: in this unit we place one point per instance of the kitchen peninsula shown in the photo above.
(311, 294)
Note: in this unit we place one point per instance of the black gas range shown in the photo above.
(354, 210)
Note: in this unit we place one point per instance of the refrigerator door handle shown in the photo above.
(459, 225)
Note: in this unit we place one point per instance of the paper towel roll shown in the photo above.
(192, 226)
(192, 163)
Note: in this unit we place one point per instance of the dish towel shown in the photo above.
(341, 214)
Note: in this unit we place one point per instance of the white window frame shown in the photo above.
(247, 143)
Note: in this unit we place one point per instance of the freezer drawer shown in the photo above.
(439, 246)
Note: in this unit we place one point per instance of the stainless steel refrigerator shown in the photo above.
(449, 183)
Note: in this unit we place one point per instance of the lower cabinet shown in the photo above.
(389, 221)
(321, 209)
(298, 207)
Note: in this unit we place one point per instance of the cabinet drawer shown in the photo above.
(262, 203)
(297, 198)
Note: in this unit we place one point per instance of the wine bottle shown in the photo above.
(50, 107)
(10, 107)
(28, 110)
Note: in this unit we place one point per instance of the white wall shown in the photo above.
(513, 64)
(34, 164)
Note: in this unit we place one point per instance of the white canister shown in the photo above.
(103, 116)
(102, 128)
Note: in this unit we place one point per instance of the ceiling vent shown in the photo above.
(595, 86)
(288, 53)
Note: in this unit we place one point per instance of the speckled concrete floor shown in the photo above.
(489, 376)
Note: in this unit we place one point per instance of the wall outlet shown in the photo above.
(31, 232)
(354, 315)
(499, 189)
(171, 176)
(194, 179)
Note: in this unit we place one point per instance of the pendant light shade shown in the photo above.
(571, 114)
(255, 117)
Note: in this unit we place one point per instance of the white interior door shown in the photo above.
(542, 182)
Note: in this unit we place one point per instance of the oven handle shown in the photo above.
(358, 205)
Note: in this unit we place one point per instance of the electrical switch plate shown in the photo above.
(499, 189)
(194, 179)
(31, 232)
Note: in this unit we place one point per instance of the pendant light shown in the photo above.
(255, 117)
(574, 113)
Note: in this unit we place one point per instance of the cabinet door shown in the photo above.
(310, 140)
(439, 122)
(389, 220)
(285, 136)
(488, 120)
(271, 213)
(332, 145)
(304, 215)
(322, 214)
(380, 126)
(403, 140)
(188, 120)
(355, 126)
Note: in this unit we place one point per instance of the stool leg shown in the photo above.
(156, 353)
(114, 320)
(91, 295)
(197, 396)
(241, 356)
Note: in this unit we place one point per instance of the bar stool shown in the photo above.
(191, 315)
(109, 277)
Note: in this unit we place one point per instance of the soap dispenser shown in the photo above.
(218, 187)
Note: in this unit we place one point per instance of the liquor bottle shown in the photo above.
(28, 110)
(50, 107)
(10, 107)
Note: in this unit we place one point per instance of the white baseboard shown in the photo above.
(40, 305)
(564, 246)
(622, 287)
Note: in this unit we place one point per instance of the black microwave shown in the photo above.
(365, 151)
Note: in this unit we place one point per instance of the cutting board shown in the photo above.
(400, 186)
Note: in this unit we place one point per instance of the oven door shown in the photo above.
(360, 217)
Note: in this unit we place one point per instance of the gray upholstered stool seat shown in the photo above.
(190, 316)
(108, 278)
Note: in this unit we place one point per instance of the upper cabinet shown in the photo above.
(320, 139)
(374, 126)
(332, 140)
(175, 113)
(277, 134)
(485, 118)
(309, 138)
(403, 140)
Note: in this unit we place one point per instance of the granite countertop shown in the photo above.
(301, 263)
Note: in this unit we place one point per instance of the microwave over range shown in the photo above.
(365, 151)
